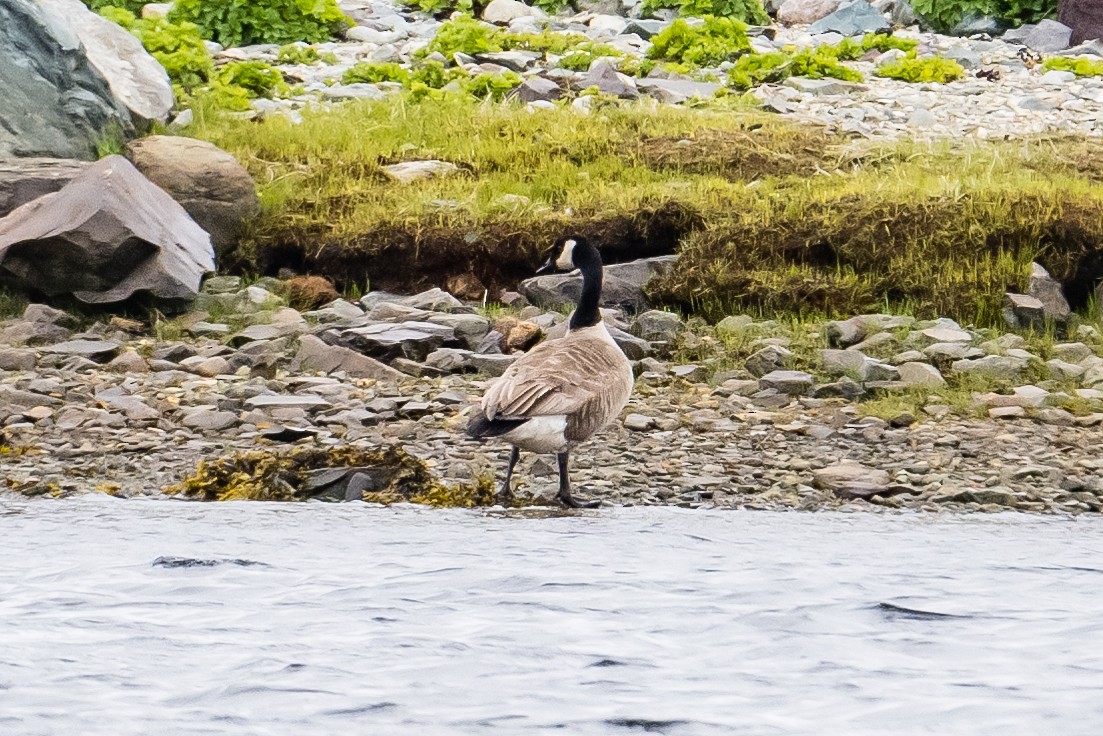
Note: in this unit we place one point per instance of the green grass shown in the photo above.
(12, 304)
(768, 216)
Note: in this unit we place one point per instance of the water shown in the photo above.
(347, 619)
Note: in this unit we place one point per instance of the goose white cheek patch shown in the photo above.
(566, 258)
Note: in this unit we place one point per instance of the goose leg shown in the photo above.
(505, 493)
(564, 495)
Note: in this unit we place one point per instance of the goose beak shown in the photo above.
(548, 267)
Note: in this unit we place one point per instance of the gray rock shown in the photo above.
(623, 285)
(448, 360)
(135, 78)
(207, 182)
(608, 80)
(1021, 311)
(12, 359)
(920, 374)
(851, 480)
(974, 24)
(209, 420)
(793, 383)
(1048, 36)
(639, 423)
(96, 350)
(819, 87)
(733, 324)
(634, 348)
(386, 341)
(491, 365)
(903, 14)
(1073, 352)
(843, 362)
(56, 103)
(969, 58)
(315, 355)
(302, 401)
(1048, 291)
(1059, 370)
(434, 300)
(106, 235)
(657, 325)
(644, 28)
(506, 11)
(768, 360)
(1002, 367)
(517, 61)
(855, 19)
(26, 179)
(538, 88)
(677, 91)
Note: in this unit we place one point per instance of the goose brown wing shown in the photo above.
(556, 377)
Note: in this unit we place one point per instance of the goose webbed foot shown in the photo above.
(564, 496)
(505, 493)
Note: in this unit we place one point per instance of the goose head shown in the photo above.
(568, 253)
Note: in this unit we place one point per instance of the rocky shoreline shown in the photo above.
(121, 409)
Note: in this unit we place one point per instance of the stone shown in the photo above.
(491, 365)
(803, 12)
(538, 88)
(920, 374)
(604, 76)
(767, 360)
(516, 61)
(1049, 292)
(129, 361)
(733, 324)
(793, 383)
(855, 19)
(819, 87)
(14, 359)
(633, 347)
(1007, 412)
(677, 91)
(506, 11)
(408, 172)
(851, 480)
(209, 420)
(279, 401)
(1073, 352)
(135, 78)
(104, 237)
(656, 325)
(95, 350)
(1021, 311)
(207, 182)
(945, 334)
(1059, 370)
(385, 341)
(644, 28)
(623, 285)
(1084, 17)
(1048, 36)
(434, 300)
(993, 366)
(56, 102)
(639, 423)
(25, 179)
(973, 24)
(315, 355)
(209, 367)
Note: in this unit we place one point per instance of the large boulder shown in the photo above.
(800, 12)
(136, 79)
(106, 235)
(56, 103)
(209, 183)
(1084, 17)
(852, 20)
(622, 286)
(25, 179)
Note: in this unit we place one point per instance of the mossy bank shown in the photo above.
(768, 215)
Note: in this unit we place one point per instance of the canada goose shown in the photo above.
(563, 390)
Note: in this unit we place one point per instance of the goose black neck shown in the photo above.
(586, 313)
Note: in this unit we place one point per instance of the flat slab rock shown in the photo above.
(851, 480)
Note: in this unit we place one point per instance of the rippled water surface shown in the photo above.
(347, 619)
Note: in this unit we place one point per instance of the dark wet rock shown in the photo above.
(207, 182)
(106, 235)
(1084, 17)
(855, 19)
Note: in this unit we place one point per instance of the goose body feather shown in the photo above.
(568, 389)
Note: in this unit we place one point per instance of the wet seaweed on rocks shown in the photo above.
(379, 475)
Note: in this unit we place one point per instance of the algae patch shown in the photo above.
(381, 475)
